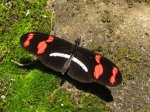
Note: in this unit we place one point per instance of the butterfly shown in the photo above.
(79, 63)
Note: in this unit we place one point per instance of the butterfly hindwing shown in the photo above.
(109, 74)
(99, 69)
(82, 69)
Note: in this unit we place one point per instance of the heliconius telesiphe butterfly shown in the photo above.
(79, 63)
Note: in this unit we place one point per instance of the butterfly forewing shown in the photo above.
(44, 46)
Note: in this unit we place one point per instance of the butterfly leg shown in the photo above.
(23, 65)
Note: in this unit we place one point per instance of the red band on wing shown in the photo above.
(98, 71)
(27, 42)
(113, 77)
(43, 45)
(97, 58)
(50, 39)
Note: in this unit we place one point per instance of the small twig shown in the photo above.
(52, 32)
(2, 56)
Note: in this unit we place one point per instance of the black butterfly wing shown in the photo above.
(99, 69)
(45, 47)
(86, 66)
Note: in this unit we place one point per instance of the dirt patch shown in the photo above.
(116, 24)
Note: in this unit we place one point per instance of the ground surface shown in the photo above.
(116, 29)
(120, 26)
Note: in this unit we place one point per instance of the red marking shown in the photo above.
(98, 71)
(97, 58)
(113, 77)
(43, 45)
(50, 39)
(27, 42)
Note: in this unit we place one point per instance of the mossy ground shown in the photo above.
(131, 2)
(125, 56)
(31, 89)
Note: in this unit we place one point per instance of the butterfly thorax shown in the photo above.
(75, 47)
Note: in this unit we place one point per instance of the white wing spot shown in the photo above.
(56, 54)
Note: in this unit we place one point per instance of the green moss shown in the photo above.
(61, 102)
(96, 47)
(32, 91)
(14, 22)
(87, 102)
(93, 104)
(108, 20)
(128, 61)
(102, 49)
(147, 109)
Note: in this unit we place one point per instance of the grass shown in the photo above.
(32, 89)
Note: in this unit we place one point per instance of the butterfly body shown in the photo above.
(79, 63)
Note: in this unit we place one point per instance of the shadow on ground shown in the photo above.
(100, 91)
